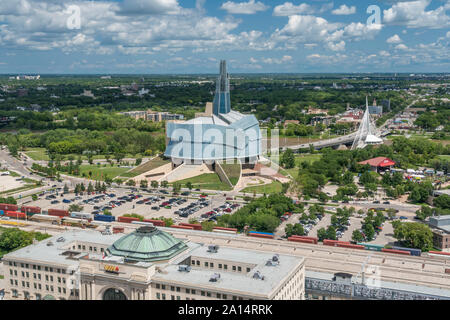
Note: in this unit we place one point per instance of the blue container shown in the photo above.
(100, 217)
(2, 213)
(414, 252)
(257, 232)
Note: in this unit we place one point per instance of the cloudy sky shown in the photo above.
(191, 36)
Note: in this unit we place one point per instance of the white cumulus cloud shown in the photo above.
(343, 10)
(289, 9)
(250, 7)
(394, 39)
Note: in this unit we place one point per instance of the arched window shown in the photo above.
(114, 294)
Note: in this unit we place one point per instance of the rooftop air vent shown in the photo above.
(257, 275)
(49, 244)
(271, 263)
(184, 268)
(215, 277)
(60, 239)
(276, 258)
(213, 248)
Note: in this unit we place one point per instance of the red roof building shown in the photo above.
(376, 164)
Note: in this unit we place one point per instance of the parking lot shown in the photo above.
(181, 208)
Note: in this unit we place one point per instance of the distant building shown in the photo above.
(440, 226)
(219, 134)
(288, 122)
(153, 116)
(147, 264)
(375, 110)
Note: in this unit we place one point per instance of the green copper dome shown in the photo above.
(147, 244)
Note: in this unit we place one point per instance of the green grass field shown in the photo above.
(40, 154)
(274, 187)
(148, 166)
(444, 157)
(233, 171)
(99, 172)
(208, 181)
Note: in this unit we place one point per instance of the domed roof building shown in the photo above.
(147, 244)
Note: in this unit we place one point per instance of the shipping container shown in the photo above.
(226, 229)
(45, 218)
(316, 240)
(80, 215)
(30, 210)
(16, 215)
(182, 227)
(74, 220)
(406, 253)
(259, 235)
(334, 243)
(8, 207)
(58, 213)
(103, 218)
(127, 219)
(293, 239)
(414, 252)
(372, 247)
(156, 223)
(195, 226)
(257, 232)
(350, 246)
(439, 254)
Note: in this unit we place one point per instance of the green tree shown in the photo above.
(414, 235)
(164, 184)
(357, 236)
(443, 201)
(288, 159)
(176, 187)
(154, 184)
(75, 208)
(144, 184)
(189, 185)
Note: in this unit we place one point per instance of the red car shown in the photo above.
(228, 210)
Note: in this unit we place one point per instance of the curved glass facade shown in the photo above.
(224, 135)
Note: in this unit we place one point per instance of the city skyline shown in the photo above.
(255, 36)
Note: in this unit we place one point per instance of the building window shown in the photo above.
(248, 269)
(219, 296)
(193, 262)
(172, 297)
(220, 266)
(193, 291)
(178, 289)
(206, 264)
(172, 288)
(234, 268)
(208, 294)
(225, 266)
(224, 296)
(15, 293)
(158, 296)
(198, 262)
(38, 296)
(212, 265)
(239, 269)
(163, 296)
(202, 293)
(163, 286)
(188, 291)
(157, 286)
(46, 268)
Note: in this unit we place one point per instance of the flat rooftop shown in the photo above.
(43, 252)
(240, 282)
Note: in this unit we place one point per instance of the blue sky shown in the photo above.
(191, 36)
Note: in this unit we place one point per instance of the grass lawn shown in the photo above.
(274, 187)
(233, 171)
(444, 157)
(40, 154)
(148, 166)
(207, 181)
(99, 172)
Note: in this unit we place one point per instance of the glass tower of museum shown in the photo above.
(216, 135)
